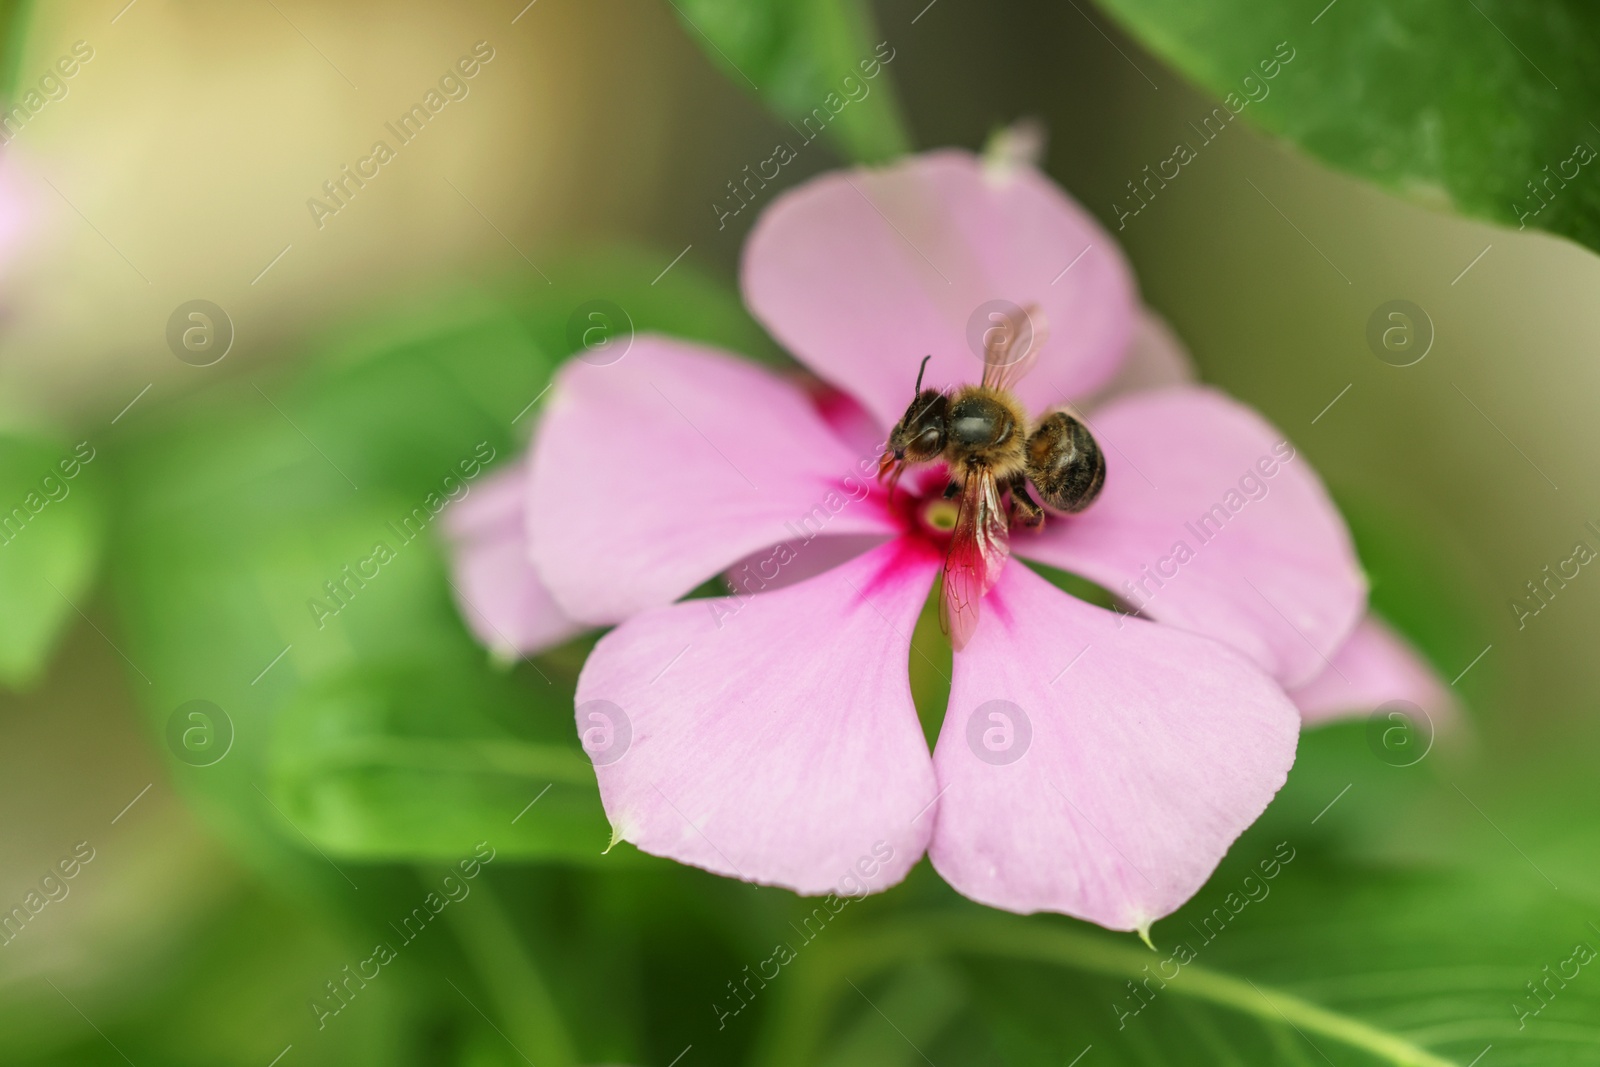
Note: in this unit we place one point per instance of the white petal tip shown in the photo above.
(1012, 147)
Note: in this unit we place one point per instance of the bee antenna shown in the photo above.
(920, 369)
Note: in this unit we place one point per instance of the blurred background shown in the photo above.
(421, 318)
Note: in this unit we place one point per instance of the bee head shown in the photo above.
(920, 434)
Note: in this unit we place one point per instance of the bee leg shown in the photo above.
(1023, 510)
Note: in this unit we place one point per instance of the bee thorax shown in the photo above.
(980, 421)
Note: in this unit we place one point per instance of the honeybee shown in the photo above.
(990, 448)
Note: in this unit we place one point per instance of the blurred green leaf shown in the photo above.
(15, 18)
(411, 762)
(281, 558)
(809, 61)
(519, 990)
(682, 302)
(366, 718)
(922, 998)
(235, 987)
(1479, 107)
(239, 980)
(1426, 584)
(1325, 964)
(52, 533)
(1311, 942)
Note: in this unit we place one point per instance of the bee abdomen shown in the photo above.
(1065, 463)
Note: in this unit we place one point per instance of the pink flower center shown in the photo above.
(922, 511)
(939, 515)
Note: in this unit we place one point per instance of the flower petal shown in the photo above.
(1136, 754)
(1156, 359)
(1374, 667)
(861, 273)
(772, 738)
(1211, 521)
(759, 572)
(501, 598)
(652, 475)
(843, 413)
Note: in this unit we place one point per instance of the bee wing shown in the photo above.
(979, 549)
(1005, 359)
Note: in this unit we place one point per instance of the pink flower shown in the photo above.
(1373, 668)
(1091, 762)
(504, 602)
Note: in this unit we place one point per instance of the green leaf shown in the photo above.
(816, 63)
(239, 971)
(1478, 106)
(1425, 584)
(922, 999)
(651, 298)
(365, 719)
(414, 762)
(243, 965)
(52, 532)
(520, 990)
(16, 17)
(1303, 947)
(1356, 968)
